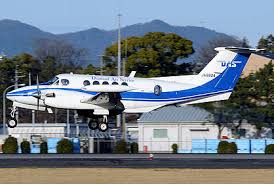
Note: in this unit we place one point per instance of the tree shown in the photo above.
(154, 54)
(267, 43)
(262, 95)
(207, 52)
(10, 145)
(90, 69)
(251, 100)
(25, 146)
(65, 146)
(245, 43)
(63, 52)
(222, 115)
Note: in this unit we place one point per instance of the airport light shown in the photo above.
(4, 104)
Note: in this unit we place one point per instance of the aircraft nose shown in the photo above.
(15, 93)
(11, 95)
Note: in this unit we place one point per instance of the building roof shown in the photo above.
(177, 114)
(267, 55)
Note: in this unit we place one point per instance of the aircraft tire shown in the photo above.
(103, 127)
(12, 123)
(93, 125)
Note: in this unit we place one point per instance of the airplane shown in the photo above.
(98, 97)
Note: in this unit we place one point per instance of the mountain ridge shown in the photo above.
(17, 37)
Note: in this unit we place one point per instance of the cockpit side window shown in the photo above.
(56, 82)
(64, 82)
(53, 80)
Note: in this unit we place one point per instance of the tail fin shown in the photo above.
(221, 74)
(224, 70)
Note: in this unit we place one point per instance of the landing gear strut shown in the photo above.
(102, 125)
(12, 122)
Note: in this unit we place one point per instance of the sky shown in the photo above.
(241, 18)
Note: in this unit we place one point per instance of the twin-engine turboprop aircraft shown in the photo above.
(98, 97)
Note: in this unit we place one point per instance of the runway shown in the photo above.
(197, 161)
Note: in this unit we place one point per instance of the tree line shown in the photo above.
(152, 55)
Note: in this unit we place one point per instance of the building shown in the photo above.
(161, 128)
(256, 62)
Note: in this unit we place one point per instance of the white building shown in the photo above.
(159, 129)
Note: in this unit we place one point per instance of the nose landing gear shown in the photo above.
(12, 122)
(102, 125)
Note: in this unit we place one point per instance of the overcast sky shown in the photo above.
(250, 18)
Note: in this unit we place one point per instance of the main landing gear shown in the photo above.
(101, 124)
(12, 122)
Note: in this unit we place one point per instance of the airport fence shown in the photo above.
(205, 146)
(106, 143)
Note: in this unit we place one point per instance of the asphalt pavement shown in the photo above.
(201, 161)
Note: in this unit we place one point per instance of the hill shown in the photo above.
(17, 37)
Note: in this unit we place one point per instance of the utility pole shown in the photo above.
(16, 87)
(125, 59)
(119, 46)
(16, 78)
(32, 111)
(124, 127)
(118, 117)
(101, 63)
(76, 123)
(68, 124)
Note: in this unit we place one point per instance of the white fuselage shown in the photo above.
(137, 95)
(140, 96)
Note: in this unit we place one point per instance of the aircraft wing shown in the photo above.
(106, 100)
(108, 96)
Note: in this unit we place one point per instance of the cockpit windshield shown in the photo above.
(53, 80)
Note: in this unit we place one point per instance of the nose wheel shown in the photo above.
(12, 123)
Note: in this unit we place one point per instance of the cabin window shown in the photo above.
(86, 83)
(157, 90)
(115, 83)
(160, 133)
(124, 83)
(64, 82)
(105, 83)
(95, 83)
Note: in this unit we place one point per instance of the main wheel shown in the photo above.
(103, 127)
(92, 125)
(12, 123)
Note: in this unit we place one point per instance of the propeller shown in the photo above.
(38, 92)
